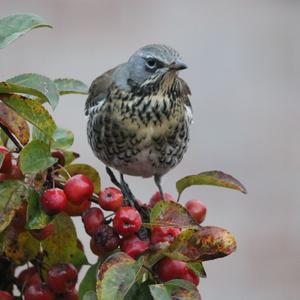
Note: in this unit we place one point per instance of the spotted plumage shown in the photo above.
(140, 114)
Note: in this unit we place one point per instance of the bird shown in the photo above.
(139, 114)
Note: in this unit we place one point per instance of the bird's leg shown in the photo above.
(129, 198)
(126, 191)
(157, 179)
(132, 200)
(113, 178)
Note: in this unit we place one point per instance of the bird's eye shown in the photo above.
(151, 63)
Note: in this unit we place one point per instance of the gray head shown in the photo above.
(150, 63)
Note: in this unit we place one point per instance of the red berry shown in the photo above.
(29, 277)
(54, 201)
(72, 295)
(38, 292)
(92, 219)
(169, 269)
(163, 234)
(111, 199)
(62, 278)
(41, 234)
(197, 210)
(105, 240)
(4, 295)
(127, 221)
(133, 246)
(77, 210)
(6, 165)
(78, 189)
(60, 156)
(16, 172)
(157, 197)
(191, 276)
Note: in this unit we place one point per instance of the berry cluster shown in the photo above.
(60, 283)
(125, 227)
(119, 229)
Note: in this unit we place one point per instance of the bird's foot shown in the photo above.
(129, 198)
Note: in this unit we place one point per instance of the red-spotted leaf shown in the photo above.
(20, 247)
(117, 275)
(216, 178)
(16, 124)
(84, 169)
(169, 213)
(14, 26)
(207, 243)
(32, 111)
(12, 193)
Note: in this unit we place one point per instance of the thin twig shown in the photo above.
(12, 137)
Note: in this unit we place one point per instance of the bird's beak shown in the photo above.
(177, 65)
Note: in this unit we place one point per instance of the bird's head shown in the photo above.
(153, 63)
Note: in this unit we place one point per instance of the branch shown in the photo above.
(12, 138)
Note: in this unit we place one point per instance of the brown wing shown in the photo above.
(99, 89)
(185, 92)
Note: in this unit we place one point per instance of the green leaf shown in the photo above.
(216, 178)
(3, 137)
(70, 156)
(187, 285)
(12, 27)
(61, 245)
(32, 111)
(86, 170)
(198, 268)
(63, 138)
(90, 295)
(40, 83)
(175, 289)
(159, 292)
(140, 291)
(169, 213)
(10, 88)
(88, 283)
(36, 216)
(36, 157)
(204, 244)
(71, 86)
(12, 193)
(117, 275)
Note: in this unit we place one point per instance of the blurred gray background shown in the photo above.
(244, 73)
